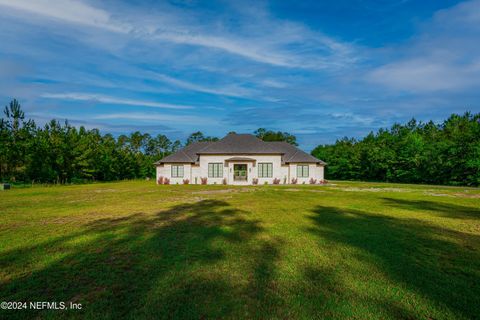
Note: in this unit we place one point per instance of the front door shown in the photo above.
(240, 172)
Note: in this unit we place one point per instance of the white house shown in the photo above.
(240, 159)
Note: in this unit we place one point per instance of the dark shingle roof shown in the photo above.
(240, 144)
(189, 154)
(293, 154)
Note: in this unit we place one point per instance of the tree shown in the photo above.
(447, 153)
(268, 135)
(15, 134)
(199, 137)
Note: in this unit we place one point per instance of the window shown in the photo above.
(215, 170)
(302, 171)
(177, 171)
(265, 170)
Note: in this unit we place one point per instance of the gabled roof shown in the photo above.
(189, 154)
(240, 144)
(292, 154)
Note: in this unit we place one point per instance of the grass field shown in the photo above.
(138, 250)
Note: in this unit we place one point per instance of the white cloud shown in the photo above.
(444, 57)
(152, 117)
(351, 118)
(272, 83)
(112, 100)
(232, 91)
(424, 75)
(280, 43)
(69, 11)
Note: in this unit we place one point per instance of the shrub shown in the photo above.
(166, 181)
(255, 181)
(204, 180)
(294, 180)
(224, 181)
(276, 181)
(265, 183)
(313, 181)
(160, 180)
(323, 181)
(186, 181)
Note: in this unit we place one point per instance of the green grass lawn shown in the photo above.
(138, 250)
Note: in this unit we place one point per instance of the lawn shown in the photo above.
(138, 250)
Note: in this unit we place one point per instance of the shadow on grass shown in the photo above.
(146, 266)
(445, 209)
(440, 265)
(209, 260)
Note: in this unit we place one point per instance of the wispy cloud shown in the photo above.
(153, 117)
(240, 65)
(89, 123)
(112, 100)
(272, 83)
(70, 11)
(231, 91)
(427, 75)
(443, 57)
(281, 43)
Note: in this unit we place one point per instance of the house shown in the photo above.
(240, 159)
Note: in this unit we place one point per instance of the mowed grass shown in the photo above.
(138, 250)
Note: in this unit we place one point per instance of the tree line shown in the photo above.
(61, 153)
(447, 153)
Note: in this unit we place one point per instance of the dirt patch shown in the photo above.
(105, 190)
(433, 194)
(454, 195)
(296, 190)
(222, 191)
(468, 195)
(355, 189)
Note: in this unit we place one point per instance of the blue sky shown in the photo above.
(320, 70)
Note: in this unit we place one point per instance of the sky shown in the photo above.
(320, 70)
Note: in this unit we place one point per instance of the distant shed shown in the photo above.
(4, 186)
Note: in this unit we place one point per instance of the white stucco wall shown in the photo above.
(283, 172)
(315, 171)
(252, 169)
(166, 171)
